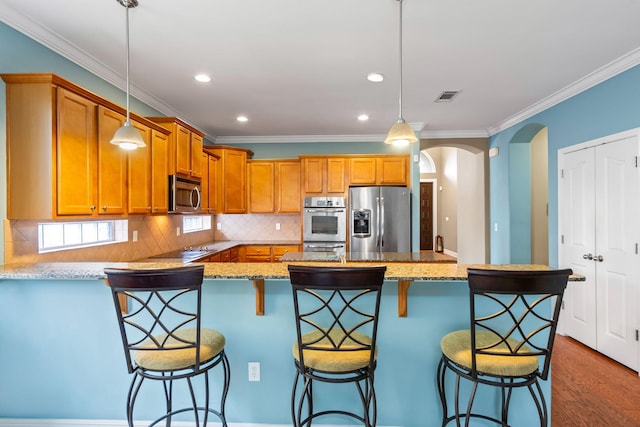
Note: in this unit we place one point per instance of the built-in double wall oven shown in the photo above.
(325, 224)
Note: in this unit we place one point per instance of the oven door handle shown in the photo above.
(327, 211)
(311, 245)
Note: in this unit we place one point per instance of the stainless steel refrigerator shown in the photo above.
(379, 219)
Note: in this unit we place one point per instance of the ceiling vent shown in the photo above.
(447, 95)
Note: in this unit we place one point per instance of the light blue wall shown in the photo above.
(61, 356)
(607, 108)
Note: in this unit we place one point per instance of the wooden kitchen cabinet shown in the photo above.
(208, 187)
(139, 175)
(257, 253)
(379, 170)
(147, 173)
(279, 251)
(274, 186)
(60, 162)
(324, 175)
(261, 186)
(159, 172)
(288, 195)
(185, 147)
(231, 178)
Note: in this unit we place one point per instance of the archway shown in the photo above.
(461, 195)
(528, 195)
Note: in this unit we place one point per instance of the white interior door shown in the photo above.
(599, 225)
(616, 257)
(577, 222)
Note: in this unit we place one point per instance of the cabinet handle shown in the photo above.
(598, 258)
(104, 208)
(92, 207)
(155, 208)
(149, 208)
(587, 256)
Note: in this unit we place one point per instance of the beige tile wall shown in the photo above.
(156, 235)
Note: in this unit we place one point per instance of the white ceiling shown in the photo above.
(297, 68)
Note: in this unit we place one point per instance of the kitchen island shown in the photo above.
(57, 323)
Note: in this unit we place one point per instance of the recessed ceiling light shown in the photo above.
(363, 117)
(375, 77)
(242, 118)
(202, 78)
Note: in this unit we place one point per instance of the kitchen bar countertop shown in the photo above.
(382, 257)
(413, 271)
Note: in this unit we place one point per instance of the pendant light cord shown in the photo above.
(127, 61)
(400, 118)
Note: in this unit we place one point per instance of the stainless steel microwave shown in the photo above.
(184, 195)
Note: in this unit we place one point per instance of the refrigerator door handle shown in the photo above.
(381, 223)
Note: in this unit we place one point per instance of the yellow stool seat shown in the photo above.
(341, 360)
(456, 346)
(172, 359)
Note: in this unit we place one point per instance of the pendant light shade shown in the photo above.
(400, 133)
(127, 136)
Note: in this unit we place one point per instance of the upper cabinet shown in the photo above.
(324, 175)
(231, 178)
(60, 162)
(379, 170)
(209, 188)
(185, 147)
(274, 186)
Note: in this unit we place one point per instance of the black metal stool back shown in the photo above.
(514, 316)
(159, 315)
(336, 313)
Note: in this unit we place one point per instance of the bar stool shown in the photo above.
(514, 315)
(336, 314)
(158, 312)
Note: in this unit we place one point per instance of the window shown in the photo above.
(59, 236)
(191, 223)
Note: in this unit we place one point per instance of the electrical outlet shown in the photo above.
(219, 226)
(277, 226)
(254, 371)
(177, 231)
(134, 236)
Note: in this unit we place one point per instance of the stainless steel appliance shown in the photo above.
(324, 224)
(380, 219)
(184, 195)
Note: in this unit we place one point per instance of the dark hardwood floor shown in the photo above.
(589, 389)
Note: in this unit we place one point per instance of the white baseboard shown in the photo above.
(33, 422)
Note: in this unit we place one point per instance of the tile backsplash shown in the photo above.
(156, 235)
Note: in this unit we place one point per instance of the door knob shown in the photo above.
(587, 256)
(598, 258)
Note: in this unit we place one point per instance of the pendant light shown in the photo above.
(400, 133)
(127, 136)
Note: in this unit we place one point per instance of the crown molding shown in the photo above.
(600, 75)
(61, 46)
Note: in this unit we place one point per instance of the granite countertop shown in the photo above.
(207, 249)
(429, 257)
(414, 271)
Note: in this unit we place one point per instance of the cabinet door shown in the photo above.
(393, 170)
(314, 170)
(204, 184)
(183, 150)
(362, 171)
(139, 175)
(279, 251)
(261, 186)
(75, 155)
(112, 165)
(235, 178)
(335, 175)
(159, 172)
(197, 165)
(212, 183)
(288, 187)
